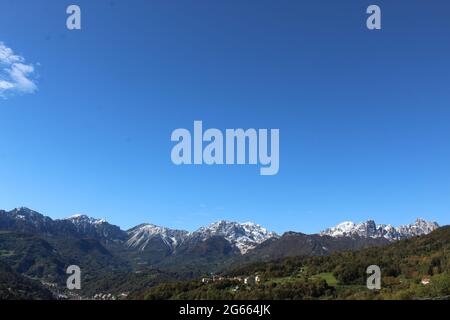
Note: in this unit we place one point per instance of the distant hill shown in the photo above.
(298, 244)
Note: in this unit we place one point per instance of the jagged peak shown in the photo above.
(387, 231)
(83, 218)
(245, 236)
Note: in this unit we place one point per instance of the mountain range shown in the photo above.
(241, 236)
(37, 247)
(370, 229)
(411, 269)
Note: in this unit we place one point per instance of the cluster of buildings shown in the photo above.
(109, 296)
(248, 280)
(104, 296)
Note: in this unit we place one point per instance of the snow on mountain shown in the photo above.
(95, 227)
(340, 230)
(420, 227)
(25, 220)
(245, 236)
(370, 229)
(81, 220)
(140, 236)
(28, 215)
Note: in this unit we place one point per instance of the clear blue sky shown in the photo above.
(364, 116)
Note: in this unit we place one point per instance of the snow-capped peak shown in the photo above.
(140, 236)
(342, 229)
(245, 236)
(78, 219)
(370, 229)
(420, 227)
(96, 227)
(29, 216)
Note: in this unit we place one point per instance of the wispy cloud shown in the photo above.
(16, 76)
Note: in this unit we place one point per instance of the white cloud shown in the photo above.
(16, 76)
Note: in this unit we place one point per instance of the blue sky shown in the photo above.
(363, 115)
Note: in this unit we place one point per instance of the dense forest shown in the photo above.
(14, 286)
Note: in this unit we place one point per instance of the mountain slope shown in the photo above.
(345, 236)
(298, 244)
(144, 237)
(14, 286)
(28, 221)
(97, 228)
(244, 236)
(140, 236)
(47, 258)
